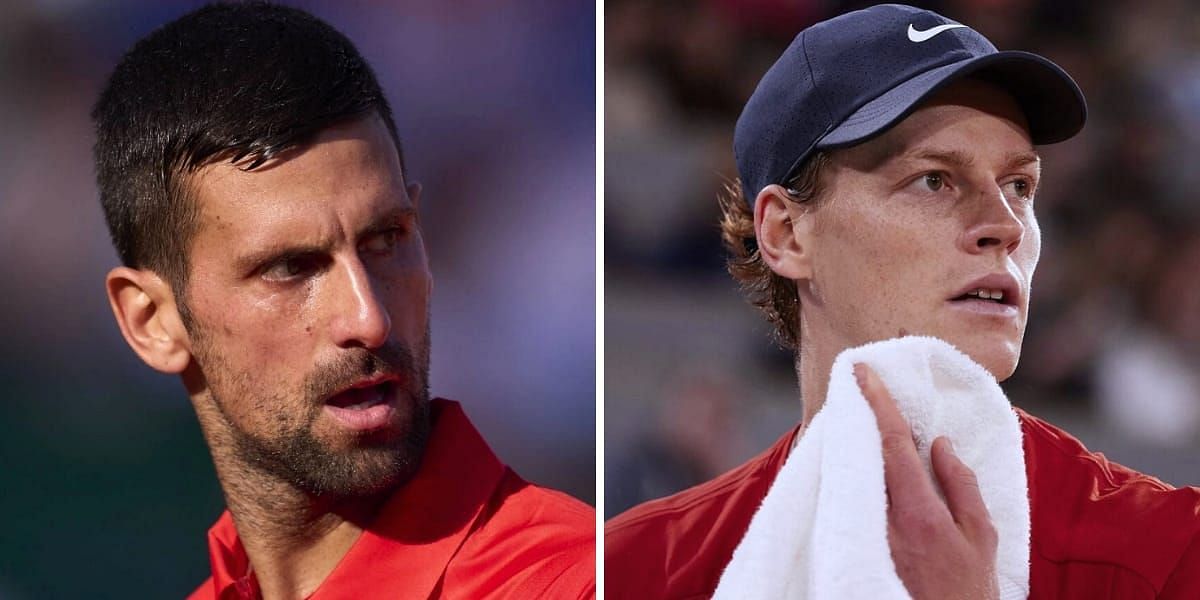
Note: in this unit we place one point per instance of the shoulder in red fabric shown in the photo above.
(676, 547)
(1102, 530)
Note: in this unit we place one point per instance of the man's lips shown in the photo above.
(366, 405)
(997, 288)
(363, 390)
(996, 295)
(358, 398)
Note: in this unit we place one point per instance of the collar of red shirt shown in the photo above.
(416, 533)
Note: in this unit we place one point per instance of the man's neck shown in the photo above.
(293, 541)
(812, 368)
(819, 348)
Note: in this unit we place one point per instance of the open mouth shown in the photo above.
(990, 297)
(362, 398)
(365, 407)
(996, 296)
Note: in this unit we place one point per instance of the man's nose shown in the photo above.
(995, 225)
(360, 318)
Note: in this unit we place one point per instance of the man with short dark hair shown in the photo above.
(887, 182)
(253, 183)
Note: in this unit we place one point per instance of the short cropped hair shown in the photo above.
(228, 82)
(773, 294)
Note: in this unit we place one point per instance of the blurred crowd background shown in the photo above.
(106, 487)
(693, 385)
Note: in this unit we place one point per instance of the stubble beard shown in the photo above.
(374, 463)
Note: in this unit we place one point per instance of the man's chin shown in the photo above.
(997, 352)
(360, 471)
(364, 473)
(376, 461)
(997, 357)
(1003, 374)
(343, 462)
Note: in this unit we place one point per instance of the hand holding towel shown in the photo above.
(821, 531)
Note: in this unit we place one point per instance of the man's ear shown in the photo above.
(783, 229)
(145, 309)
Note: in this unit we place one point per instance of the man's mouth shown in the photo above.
(366, 406)
(995, 288)
(993, 296)
(363, 397)
(989, 295)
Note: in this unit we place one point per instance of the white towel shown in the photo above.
(821, 531)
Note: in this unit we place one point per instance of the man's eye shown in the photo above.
(933, 181)
(1022, 188)
(381, 242)
(289, 268)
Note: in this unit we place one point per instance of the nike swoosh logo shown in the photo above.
(922, 36)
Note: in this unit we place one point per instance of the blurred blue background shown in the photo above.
(105, 483)
(693, 385)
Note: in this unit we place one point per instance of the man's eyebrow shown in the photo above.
(389, 219)
(958, 158)
(385, 221)
(1020, 158)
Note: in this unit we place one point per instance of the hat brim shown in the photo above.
(1053, 104)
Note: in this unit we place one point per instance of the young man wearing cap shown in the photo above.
(888, 175)
(253, 182)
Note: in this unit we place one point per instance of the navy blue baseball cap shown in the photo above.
(848, 79)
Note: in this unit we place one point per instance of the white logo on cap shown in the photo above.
(921, 36)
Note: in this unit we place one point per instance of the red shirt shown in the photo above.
(465, 526)
(1099, 530)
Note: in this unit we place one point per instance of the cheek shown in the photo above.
(1030, 250)
(255, 335)
(882, 269)
(406, 286)
(406, 295)
(273, 329)
(870, 261)
(244, 377)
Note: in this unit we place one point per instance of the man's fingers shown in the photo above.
(907, 484)
(961, 489)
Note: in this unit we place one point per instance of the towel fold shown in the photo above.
(821, 531)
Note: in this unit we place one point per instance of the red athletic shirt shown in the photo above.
(465, 526)
(1099, 530)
